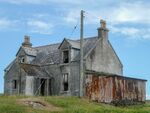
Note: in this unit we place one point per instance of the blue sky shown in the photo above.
(49, 21)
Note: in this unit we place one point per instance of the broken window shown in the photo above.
(65, 82)
(14, 84)
(22, 60)
(65, 56)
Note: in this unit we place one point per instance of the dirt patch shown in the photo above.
(37, 103)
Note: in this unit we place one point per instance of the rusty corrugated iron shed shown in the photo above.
(106, 87)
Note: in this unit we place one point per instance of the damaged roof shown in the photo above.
(35, 70)
(30, 51)
(50, 54)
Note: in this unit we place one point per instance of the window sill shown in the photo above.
(62, 64)
(65, 92)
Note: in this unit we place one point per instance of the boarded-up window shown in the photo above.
(65, 56)
(65, 82)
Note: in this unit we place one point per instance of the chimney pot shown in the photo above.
(26, 42)
(103, 23)
(26, 39)
(103, 31)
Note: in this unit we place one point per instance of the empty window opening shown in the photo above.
(14, 84)
(22, 60)
(65, 82)
(65, 56)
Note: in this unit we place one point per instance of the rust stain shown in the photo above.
(109, 88)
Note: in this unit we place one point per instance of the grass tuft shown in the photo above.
(9, 104)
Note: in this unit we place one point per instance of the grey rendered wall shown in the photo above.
(74, 78)
(104, 59)
(55, 72)
(13, 74)
(29, 89)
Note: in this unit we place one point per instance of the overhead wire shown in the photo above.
(75, 27)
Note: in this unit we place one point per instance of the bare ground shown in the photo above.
(38, 103)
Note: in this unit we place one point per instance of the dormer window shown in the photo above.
(22, 60)
(66, 56)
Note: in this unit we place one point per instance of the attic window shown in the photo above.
(65, 82)
(65, 56)
(22, 60)
(14, 84)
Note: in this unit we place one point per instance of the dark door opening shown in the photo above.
(50, 87)
(42, 91)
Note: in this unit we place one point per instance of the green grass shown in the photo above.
(9, 104)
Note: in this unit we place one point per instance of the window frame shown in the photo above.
(22, 60)
(15, 84)
(65, 77)
(63, 56)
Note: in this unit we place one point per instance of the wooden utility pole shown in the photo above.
(81, 54)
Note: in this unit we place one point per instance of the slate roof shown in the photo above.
(74, 43)
(34, 70)
(88, 44)
(50, 54)
(30, 51)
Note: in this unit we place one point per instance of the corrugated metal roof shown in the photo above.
(111, 75)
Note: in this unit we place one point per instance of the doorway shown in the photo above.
(43, 87)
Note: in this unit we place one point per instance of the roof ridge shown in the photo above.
(66, 39)
(46, 45)
(89, 38)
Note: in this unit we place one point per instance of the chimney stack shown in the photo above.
(26, 42)
(103, 31)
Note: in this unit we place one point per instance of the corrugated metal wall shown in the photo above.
(110, 88)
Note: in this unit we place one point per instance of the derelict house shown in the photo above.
(55, 70)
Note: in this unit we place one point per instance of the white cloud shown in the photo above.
(135, 13)
(6, 24)
(38, 26)
(123, 12)
(41, 1)
(132, 32)
(72, 16)
(120, 13)
(24, 1)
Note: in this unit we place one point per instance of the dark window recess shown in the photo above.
(14, 84)
(43, 82)
(65, 56)
(22, 60)
(65, 82)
